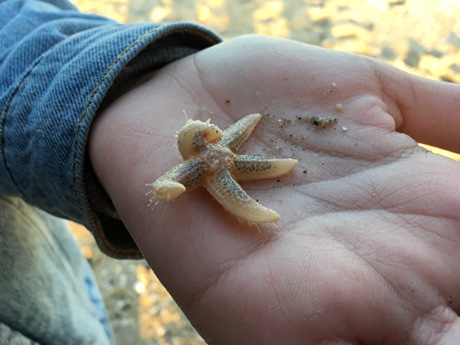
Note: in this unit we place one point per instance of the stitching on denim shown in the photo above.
(100, 231)
(87, 105)
(3, 126)
(103, 238)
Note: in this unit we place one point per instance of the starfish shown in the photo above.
(210, 160)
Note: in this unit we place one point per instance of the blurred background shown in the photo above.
(419, 36)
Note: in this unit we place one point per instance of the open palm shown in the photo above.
(366, 251)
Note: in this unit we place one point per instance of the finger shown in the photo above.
(428, 108)
(440, 326)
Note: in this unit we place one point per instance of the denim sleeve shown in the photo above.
(57, 66)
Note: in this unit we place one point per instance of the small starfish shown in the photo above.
(210, 161)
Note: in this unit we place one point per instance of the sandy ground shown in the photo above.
(419, 36)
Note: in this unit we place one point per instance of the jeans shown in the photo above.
(48, 294)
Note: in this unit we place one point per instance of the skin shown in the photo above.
(366, 251)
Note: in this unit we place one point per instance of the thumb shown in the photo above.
(429, 109)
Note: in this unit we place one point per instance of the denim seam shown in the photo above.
(88, 104)
(101, 81)
(108, 245)
(100, 231)
(3, 125)
(98, 225)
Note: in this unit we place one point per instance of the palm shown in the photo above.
(366, 246)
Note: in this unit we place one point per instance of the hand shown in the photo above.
(367, 248)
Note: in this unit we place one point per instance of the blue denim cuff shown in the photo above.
(56, 68)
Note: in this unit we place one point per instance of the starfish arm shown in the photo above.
(223, 187)
(253, 167)
(174, 182)
(194, 137)
(237, 133)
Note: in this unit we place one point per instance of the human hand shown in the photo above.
(366, 250)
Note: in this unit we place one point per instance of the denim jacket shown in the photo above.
(57, 66)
